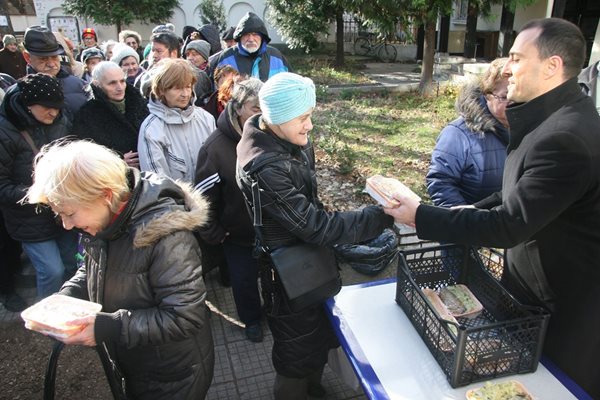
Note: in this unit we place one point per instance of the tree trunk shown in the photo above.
(507, 35)
(339, 38)
(471, 29)
(119, 26)
(426, 83)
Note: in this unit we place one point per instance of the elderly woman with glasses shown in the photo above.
(467, 162)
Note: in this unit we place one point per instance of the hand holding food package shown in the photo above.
(55, 314)
(382, 189)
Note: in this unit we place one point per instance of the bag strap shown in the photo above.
(257, 215)
(30, 142)
(50, 378)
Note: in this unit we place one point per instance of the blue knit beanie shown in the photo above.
(286, 96)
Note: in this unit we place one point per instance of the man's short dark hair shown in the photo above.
(168, 39)
(559, 37)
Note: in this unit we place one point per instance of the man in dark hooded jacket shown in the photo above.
(252, 55)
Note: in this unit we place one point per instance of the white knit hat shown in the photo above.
(122, 51)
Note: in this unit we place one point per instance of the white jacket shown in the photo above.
(170, 139)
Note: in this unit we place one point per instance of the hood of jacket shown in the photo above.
(228, 123)
(158, 207)
(251, 23)
(171, 116)
(16, 112)
(210, 33)
(587, 77)
(471, 105)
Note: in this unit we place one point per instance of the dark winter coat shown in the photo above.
(468, 159)
(292, 213)
(75, 89)
(263, 64)
(548, 217)
(12, 63)
(145, 270)
(215, 178)
(23, 222)
(102, 122)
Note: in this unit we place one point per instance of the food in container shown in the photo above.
(382, 189)
(511, 390)
(52, 315)
(460, 301)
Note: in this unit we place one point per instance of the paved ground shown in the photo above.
(243, 370)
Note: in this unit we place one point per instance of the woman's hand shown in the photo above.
(405, 212)
(85, 336)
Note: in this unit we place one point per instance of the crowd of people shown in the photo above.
(122, 167)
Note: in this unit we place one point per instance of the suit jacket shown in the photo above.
(548, 217)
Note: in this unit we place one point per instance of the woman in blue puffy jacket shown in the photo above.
(468, 159)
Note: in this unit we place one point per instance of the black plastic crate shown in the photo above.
(506, 338)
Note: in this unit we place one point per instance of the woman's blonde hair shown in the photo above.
(172, 73)
(493, 75)
(77, 172)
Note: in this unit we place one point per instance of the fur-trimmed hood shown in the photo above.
(158, 207)
(471, 105)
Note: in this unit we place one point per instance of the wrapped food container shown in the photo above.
(52, 315)
(382, 189)
(504, 338)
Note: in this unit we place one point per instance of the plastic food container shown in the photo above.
(505, 338)
(382, 189)
(51, 316)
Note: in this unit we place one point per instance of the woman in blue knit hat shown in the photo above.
(276, 151)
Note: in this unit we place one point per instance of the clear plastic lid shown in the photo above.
(53, 315)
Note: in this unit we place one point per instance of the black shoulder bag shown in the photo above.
(308, 272)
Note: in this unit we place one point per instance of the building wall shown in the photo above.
(187, 13)
(456, 40)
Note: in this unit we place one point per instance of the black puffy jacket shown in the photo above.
(145, 271)
(23, 222)
(291, 213)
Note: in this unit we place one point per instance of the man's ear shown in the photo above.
(553, 66)
(27, 57)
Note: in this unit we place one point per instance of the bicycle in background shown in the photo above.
(370, 45)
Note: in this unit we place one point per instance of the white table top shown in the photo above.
(390, 358)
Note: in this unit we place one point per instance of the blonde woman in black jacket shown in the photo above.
(142, 263)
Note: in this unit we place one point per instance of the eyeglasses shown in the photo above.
(502, 99)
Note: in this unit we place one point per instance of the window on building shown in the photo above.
(461, 9)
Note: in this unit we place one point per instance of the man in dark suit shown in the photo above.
(548, 212)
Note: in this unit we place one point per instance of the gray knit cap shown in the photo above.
(201, 46)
